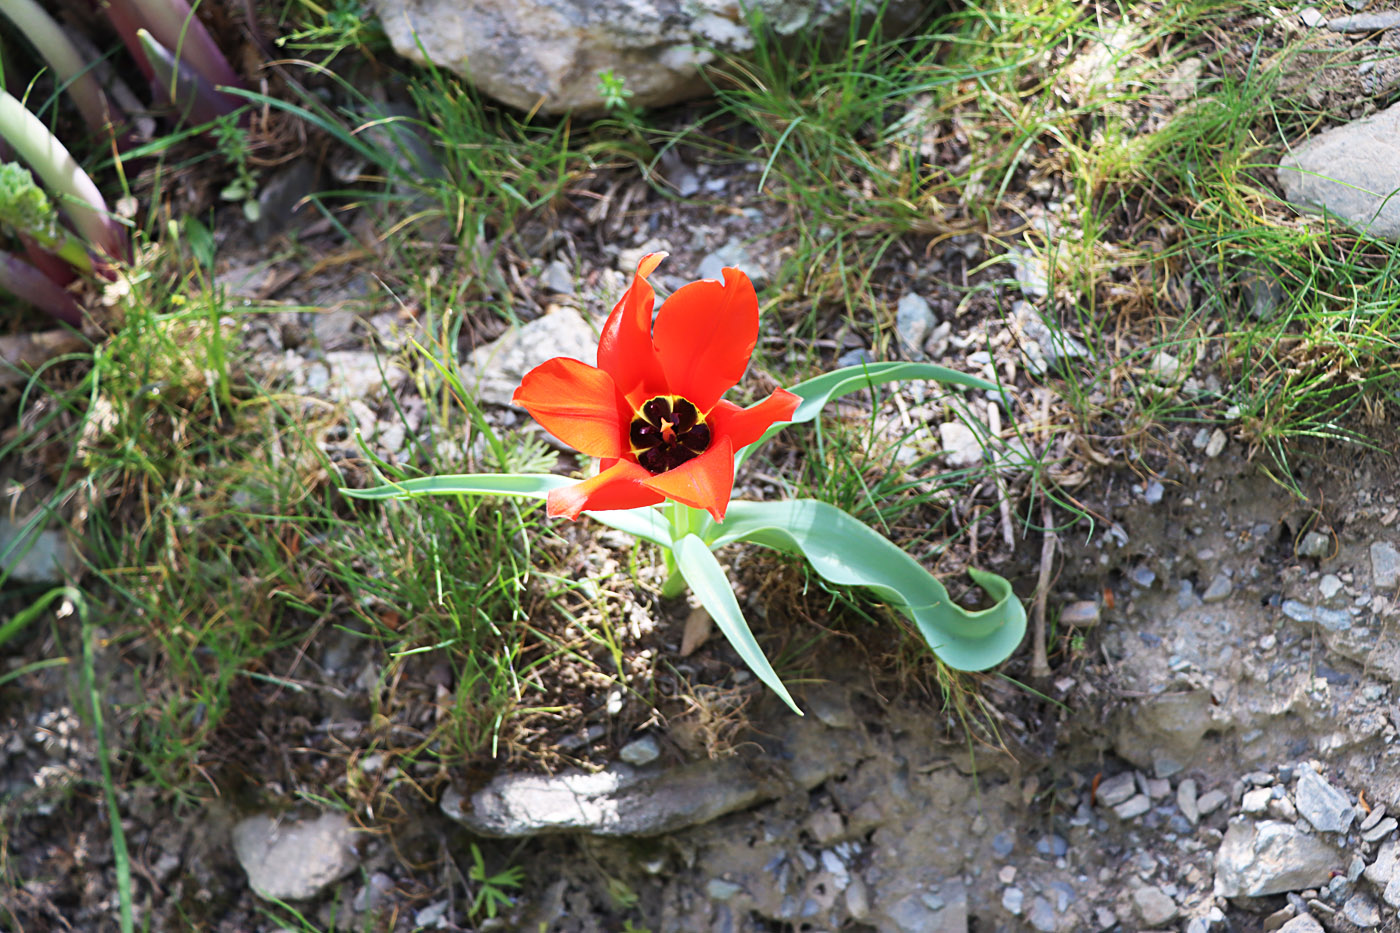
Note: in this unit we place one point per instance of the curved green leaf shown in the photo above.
(709, 584)
(846, 551)
(817, 392)
(641, 523)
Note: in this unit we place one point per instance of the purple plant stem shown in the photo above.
(31, 285)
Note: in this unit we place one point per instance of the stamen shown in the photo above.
(667, 431)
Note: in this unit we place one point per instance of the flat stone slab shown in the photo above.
(1350, 171)
(624, 801)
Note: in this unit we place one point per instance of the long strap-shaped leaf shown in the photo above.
(846, 551)
(641, 523)
(709, 584)
(820, 390)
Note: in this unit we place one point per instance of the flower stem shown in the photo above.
(683, 521)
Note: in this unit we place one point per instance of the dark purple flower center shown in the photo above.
(667, 431)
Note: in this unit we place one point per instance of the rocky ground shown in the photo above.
(1213, 751)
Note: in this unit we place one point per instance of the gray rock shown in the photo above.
(548, 53)
(1382, 829)
(1044, 347)
(294, 860)
(621, 801)
(1350, 171)
(1133, 807)
(1362, 911)
(558, 277)
(1211, 801)
(1321, 804)
(1385, 565)
(1154, 906)
(1269, 857)
(495, 369)
(1186, 800)
(733, 255)
(1042, 916)
(1113, 791)
(1219, 590)
(1334, 620)
(1365, 22)
(41, 556)
(1303, 923)
(282, 200)
(1372, 818)
(334, 330)
(1256, 801)
(1382, 869)
(1312, 17)
(641, 751)
(1315, 544)
(1216, 445)
(914, 914)
(913, 319)
(1085, 613)
(342, 375)
(718, 889)
(961, 446)
(1014, 900)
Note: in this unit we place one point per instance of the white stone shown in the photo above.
(961, 446)
(547, 54)
(294, 860)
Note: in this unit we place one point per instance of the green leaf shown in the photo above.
(709, 584)
(848, 552)
(640, 523)
(817, 392)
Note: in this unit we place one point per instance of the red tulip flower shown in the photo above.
(651, 409)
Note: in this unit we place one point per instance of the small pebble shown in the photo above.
(1211, 801)
(1281, 808)
(1013, 899)
(1268, 642)
(1312, 17)
(1115, 790)
(1216, 444)
(1219, 590)
(1382, 829)
(1133, 807)
(1315, 544)
(1186, 800)
(1083, 614)
(642, 751)
(1373, 817)
(1256, 802)
(1279, 917)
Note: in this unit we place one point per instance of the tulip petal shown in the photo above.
(743, 426)
(707, 482)
(624, 348)
(618, 486)
(705, 334)
(576, 403)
